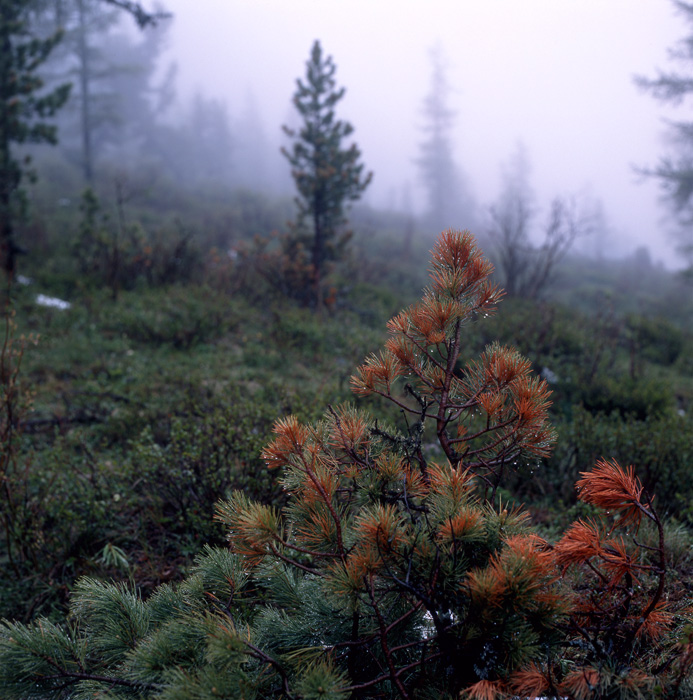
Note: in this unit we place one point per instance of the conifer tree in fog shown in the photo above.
(327, 173)
(675, 170)
(111, 74)
(447, 199)
(24, 106)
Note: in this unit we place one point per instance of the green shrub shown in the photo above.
(70, 508)
(199, 459)
(640, 398)
(656, 339)
(120, 254)
(178, 316)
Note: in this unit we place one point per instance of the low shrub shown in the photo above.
(177, 477)
(178, 316)
(656, 339)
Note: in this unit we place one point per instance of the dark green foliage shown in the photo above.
(23, 109)
(48, 646)
(171, 317)
(628, 396)
(657, 339)
(180, 644)
(326, 174)
(205, 374)
(72, 508)
(198, 460)
(144, 513)
(604, 363)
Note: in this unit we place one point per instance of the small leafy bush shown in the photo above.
(121, 254)
(656, 339)
(178, 316)
(201, 458)
(639, 397)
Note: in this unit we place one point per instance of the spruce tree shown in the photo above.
(327, 174)
(23, 109)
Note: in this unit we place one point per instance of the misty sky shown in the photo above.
(555, 75)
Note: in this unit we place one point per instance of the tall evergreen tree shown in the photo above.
(675, 170)
(112, 100)
(448, 201)
(24, 106)
(327, 175)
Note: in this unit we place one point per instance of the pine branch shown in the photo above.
(394, 675)
(109, 680)
(387, 676)
(257, 653)
(141, 16)
(328, 501)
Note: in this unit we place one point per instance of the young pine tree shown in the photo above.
(389, 574)
(327, 174)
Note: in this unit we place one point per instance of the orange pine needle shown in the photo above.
(291, 438)
(529, 682)
(460, 526)
(611, 487)
(484, 690)
(579, 544)
(617, 561)
(581, 684)
(657, 622)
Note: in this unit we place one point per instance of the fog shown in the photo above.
(555, 76)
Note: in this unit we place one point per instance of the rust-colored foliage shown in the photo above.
(520, 574)
(581, 684)
(614, 564)
(432, 584)
(611, 487)
(484, 690)
(615, 585)
(530, 682)
(581, 542)
(488, 414)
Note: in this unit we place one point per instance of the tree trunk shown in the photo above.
(7, 175)
(85, 96)
(318, 255)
